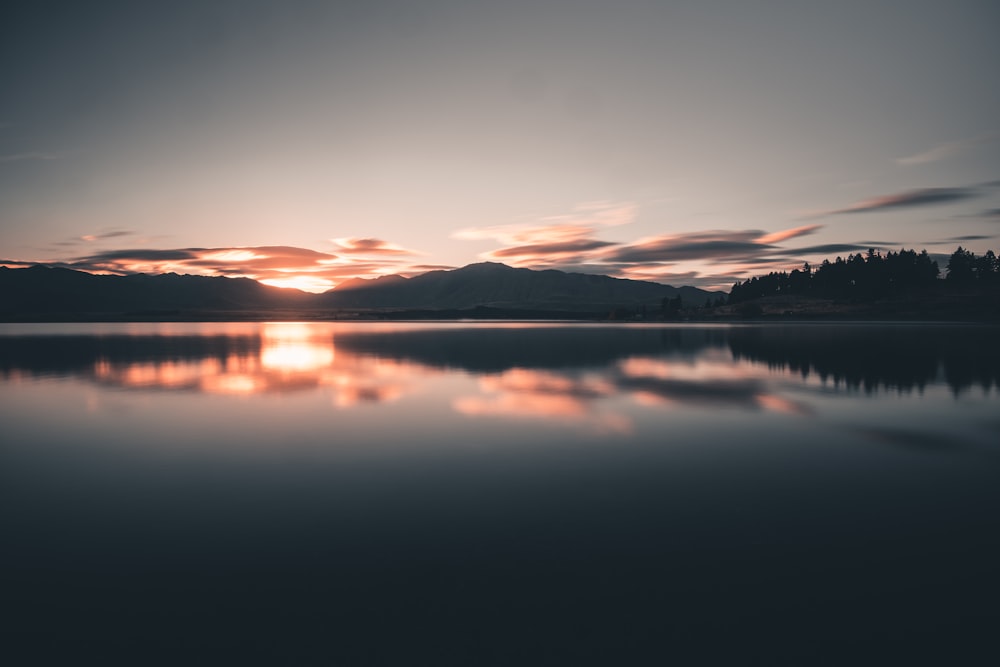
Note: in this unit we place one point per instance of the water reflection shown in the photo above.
(711, 481)
(865, 357)
(872, 358)
(575, 375)
(272, 358)
(525, 393)
(291, 347)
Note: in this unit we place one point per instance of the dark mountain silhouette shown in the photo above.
(500, 286)
(42, 291)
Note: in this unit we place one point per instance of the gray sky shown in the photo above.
(306, 142)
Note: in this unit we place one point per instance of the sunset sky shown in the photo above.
(305, 142)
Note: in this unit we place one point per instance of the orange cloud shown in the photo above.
(582, 223)
(555, 240)
(520, 234)
(280, 266)
(570, 242)
(784, 235)
(548, 251)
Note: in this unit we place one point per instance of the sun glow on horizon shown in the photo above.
(313, 284)
(233, 255)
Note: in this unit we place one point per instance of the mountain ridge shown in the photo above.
(497, 285)
(45, 290)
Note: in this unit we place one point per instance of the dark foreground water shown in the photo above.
(344, 494)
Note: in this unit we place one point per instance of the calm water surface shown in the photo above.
(500, 493)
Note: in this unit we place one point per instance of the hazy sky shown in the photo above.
(302, 142)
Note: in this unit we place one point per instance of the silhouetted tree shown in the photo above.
(861, 276)
(672, 307)
(961, 267)
(987, 268)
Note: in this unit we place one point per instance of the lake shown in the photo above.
(502, 493)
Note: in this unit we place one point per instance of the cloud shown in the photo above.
(92, 238)
(601, 213)
(111, 234)
(831, 248)
(431, 267)
(780, 257)
(992, 213)
(664, 276)
(283, 266)
(265, 257)
(369, 247)
(33, 155)
(909, 199)
(733, 255)
(571, 243)
(141, 255)
(660, 274)
(554, 240)
(583, 222)
(948, 149)
(549, 251)
(729, 245)
(784, 235)
(527, 234)
(969, 237)
(717, 244)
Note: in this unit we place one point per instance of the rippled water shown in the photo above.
(501, 493)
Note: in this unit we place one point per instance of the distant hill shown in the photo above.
(45, 292)
(500, 286)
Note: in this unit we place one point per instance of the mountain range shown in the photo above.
(49, 291)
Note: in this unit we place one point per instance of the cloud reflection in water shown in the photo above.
(525, 393)
(591, 377)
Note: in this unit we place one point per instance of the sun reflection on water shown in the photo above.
(586, 380)
(282, 357)
(293, 356)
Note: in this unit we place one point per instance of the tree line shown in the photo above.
(872, 276)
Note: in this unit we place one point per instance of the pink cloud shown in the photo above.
(281, 266)
(571, 243)
(784, 235)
